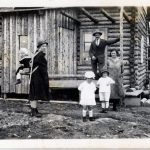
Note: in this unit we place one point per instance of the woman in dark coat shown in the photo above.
(39, 83)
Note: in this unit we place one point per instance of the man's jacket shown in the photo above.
(100, 49)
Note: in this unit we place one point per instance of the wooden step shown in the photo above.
(81, 69)
(84, 68)
(65, 76)
(82, 72)
(66, 83)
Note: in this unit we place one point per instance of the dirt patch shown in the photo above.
(64, 121)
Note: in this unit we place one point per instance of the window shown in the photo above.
(23, 41)
(86, 37)
(66, 23)
(87, 41)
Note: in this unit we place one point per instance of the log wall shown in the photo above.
(113, 31)
(1, 47)
(141, 30)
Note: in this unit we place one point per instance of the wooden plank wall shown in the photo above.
(141, 30)
(61, 54)
(113, 32)
(1, 47)
(63, 47)
(67, 46)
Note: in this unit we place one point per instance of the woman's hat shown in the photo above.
(104, 70)
(97, 32)
(41, 42)
(89, 74)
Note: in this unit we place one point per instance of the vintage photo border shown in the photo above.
(75, 143)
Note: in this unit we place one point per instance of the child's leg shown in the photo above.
(102, 100)
(84, 111)
(90, 113)
(101, 97)
(103, 104)
(107, 97)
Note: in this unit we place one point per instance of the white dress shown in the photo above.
(87, 96)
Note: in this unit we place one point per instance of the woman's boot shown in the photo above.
(114, 105)
(32, 113)
(35, 113)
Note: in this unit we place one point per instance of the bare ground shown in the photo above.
(64, 121)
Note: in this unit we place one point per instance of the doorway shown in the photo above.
(86, 37)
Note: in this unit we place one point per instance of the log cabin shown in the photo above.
(69, 34)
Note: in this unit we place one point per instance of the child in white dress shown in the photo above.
(87, 95)
(104, 89)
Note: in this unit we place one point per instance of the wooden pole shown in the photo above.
(128, 18)
(85, 12)
(121, 33)
(108, 16)
(132, 47)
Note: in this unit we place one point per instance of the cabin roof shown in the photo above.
(27, 9)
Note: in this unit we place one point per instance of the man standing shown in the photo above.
(97, 52)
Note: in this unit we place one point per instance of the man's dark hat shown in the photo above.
(104, 70)
(41, 42)
(97, 32)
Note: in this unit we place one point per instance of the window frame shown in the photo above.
(84, 53)
(20, 41)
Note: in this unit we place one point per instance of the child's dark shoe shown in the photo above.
(18, 81)
(103, 111)
(91, 119)
(84, 119)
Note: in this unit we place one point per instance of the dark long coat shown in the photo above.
(98, 51)
(39, 84)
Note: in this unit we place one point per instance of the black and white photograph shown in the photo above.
(74, 72)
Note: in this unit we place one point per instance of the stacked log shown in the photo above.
(113, 31)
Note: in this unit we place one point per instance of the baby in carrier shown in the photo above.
(24, 63)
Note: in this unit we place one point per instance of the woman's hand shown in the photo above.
(93, 58)
(121, 75)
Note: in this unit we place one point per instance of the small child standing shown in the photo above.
(87, 95)
(104, 89)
